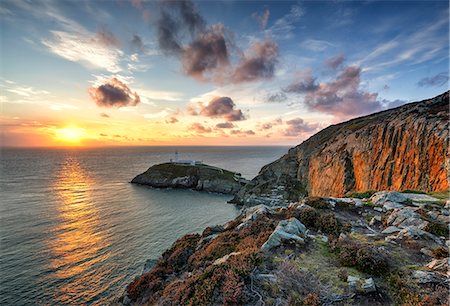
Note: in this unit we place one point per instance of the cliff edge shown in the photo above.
(199, 177)
(404, 148)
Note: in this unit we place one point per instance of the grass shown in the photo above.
(442, 195)
(360, 195)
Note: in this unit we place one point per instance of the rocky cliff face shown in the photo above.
(398, 149)
(198, 177)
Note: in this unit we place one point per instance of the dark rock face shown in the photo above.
(198, 177)
(398, 149)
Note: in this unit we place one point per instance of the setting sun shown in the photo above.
(70, 134)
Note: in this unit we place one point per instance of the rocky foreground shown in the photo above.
(197, 177)
(398, 149)
(390, 248)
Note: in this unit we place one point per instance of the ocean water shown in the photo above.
(74, 231)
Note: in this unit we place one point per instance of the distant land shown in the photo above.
(329, 225)
(191, 175)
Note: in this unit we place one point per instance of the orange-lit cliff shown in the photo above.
(397, 149)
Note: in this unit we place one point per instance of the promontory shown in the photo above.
(195, 176)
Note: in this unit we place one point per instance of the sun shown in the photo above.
(71, 135)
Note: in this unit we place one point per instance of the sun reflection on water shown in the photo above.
(79, 243)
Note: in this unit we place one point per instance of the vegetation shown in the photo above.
(361, 255)
(437, 228)
(360, 195)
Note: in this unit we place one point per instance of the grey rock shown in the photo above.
(426, 277)
(369, 285)
(286, 230)
(390, 230)
(420, 197)
(383, 197)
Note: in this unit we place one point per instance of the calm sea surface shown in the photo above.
(74, 231)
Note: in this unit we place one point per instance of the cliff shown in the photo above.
(197, 177)
(404, 148)
(386, 250)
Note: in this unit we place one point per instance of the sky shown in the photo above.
(116, 72)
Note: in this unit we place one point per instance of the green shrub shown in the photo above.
(360, 195)
(437, 228)
(319, 203)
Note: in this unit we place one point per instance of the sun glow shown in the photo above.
(71, 135)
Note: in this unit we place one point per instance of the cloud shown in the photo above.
(258, 63)
(342, 96)
(434, 81)
(242, 133)
(298, 127)
(269, 125)
(304, 84)
(137, 44)
(172, 120)
(86, 48)
(199, 128)
(218, 107)
(107, 38)
(208, 53)
(276, 97)
(204, 51)
(225, 125)
(316, 45)
(335, 62)
(104, 115)
(262, 19)
(114, 93)
(283, 28)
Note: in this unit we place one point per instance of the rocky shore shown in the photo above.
(199, 177)
(389, 248)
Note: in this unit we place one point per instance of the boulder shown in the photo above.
(286, 231)
(369, 286)
(390, 230)
(419, 197)
(426, 277)
(391, 198)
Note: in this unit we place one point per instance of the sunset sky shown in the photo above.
(117, 72)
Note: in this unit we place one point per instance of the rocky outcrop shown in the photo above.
(398, 149)
(199, 177)
(320, 251)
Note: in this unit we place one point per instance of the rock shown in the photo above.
(286, 230)
(420, 197)
(426, 277)
(199, 177)
(390, 230)
(353, 282)
(369, 286)
(376, 220)
(440, 265)
(391, 205)
(383, 197)
(415, 233)
(357, 284)
(426, 251)
(405, 217)
(374, 152)
(252, 213)
(379, 209)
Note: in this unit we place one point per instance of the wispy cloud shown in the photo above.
(316, 45)
(284, 27)
(437, 80)
(86, 49)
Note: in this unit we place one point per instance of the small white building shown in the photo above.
(185, 161)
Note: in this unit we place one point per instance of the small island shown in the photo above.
(190, 174)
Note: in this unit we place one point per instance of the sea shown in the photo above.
(74, 231)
